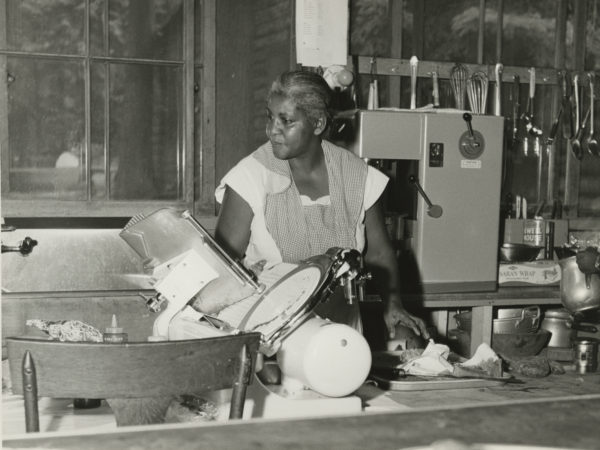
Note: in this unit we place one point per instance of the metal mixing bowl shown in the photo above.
(519, 252)
(520, 344)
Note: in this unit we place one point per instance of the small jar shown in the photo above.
(585, 355)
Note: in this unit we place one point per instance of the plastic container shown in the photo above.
(114, 334)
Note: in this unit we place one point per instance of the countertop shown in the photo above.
(555, 411)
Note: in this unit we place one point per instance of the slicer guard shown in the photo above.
(182, 258)
(335, 266)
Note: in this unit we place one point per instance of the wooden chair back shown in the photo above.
(136, 370)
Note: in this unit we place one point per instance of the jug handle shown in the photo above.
(534, 308)
(586, 328)
(588, 280)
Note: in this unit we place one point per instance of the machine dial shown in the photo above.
(471, 143)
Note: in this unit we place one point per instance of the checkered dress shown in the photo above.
(303, 231)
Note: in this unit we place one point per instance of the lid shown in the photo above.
(558, 314)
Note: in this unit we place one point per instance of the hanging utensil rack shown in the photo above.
(398, 67)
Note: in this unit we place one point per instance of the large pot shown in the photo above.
(578, 292)
(563, 327)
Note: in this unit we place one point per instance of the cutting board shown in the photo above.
(383, 373)
(418, 383)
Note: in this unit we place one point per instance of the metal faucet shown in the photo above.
(25, 247)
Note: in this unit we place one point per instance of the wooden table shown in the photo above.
(565, 422)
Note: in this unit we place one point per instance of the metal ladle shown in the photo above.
(434, 211)
(576, 140)
(576, 143)
(592, 143)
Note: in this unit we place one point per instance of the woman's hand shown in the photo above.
(395, 314)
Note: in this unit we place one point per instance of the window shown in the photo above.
(94, 106)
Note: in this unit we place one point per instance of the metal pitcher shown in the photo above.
(579, 292)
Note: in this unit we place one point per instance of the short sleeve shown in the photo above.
(251, 180)
(374, 186)
(245, 179)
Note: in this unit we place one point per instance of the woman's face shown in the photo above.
(288, 128)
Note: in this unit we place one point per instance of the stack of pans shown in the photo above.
(517, 320)
(516, 331)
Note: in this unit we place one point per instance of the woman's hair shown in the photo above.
(308, 90)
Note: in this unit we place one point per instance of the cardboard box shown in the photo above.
(535, 273)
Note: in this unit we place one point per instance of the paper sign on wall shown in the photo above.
(321, 32)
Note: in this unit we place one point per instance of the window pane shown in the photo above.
(98, 11)
(592, 47)
(490, 31)
(451, 30)
(369, 28)
(529, 32)
(46, 128)
(150, 29)
(589, 194)
(49, 26)
(145, 131)
(198, 56)
(98, 108)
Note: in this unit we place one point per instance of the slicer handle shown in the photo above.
(467, 117)
(434, 211)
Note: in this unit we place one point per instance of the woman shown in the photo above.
(298, 195)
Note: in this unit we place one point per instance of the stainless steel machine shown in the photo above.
(446, 184)
(322, 363)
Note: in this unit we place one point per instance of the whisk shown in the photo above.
(458, 79)
(477, 90)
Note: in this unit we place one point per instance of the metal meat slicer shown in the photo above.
(321, 362)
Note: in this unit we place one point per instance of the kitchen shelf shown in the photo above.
(482, 306)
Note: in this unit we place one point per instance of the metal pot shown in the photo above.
(563, 327)
(578, 292)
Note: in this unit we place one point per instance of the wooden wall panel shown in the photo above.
(253, 47)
